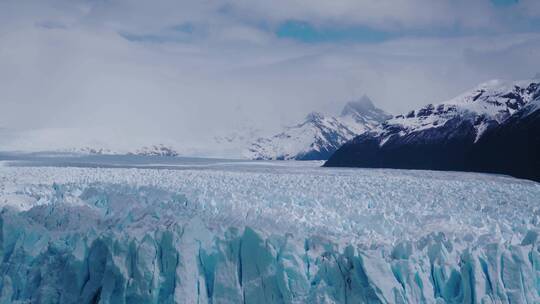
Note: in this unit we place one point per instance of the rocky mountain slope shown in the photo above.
(493, 128)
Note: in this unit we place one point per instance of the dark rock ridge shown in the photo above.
(511, 148)
(494, 128)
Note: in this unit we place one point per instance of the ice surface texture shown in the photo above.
(266, 235)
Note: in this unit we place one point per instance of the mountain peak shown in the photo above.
(358, 106)
(363, 110)
(314, 116)
(319, 135)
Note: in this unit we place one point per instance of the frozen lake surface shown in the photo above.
(131, 229)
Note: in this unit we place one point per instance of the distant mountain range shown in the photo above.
(151, 150)
(316, 138)
(492, 128)
(319, 135)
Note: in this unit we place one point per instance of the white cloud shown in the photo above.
(151, 16)
(530, 8)
(64, 64)
(397, 14)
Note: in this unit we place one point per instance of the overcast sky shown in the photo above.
(186, 69)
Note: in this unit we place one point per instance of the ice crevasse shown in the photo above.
(103, 242)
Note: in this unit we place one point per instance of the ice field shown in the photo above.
(135, 230)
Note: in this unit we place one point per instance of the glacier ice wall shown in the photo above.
(111, 238)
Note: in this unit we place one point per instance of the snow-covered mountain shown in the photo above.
(95, 141)
(90, 141)
(150, 150)
(319, 135)
(156, 150)
(231, 145)
(450, 135)
(89, 151)
(361, 115)
(315, 138)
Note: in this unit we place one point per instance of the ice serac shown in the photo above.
(125, 240)
(493, 128)
(319, 135)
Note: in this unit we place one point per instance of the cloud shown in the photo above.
(529, 8)
(149, 17)
(389, 15)
(509, 61)
(188, 71)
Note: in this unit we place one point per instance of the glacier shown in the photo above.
(266, 232)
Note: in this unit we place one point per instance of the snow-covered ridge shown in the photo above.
(156, 150)
(488, 104)
(151, 150)
(492, 128)
(319, 135)
(296, 235)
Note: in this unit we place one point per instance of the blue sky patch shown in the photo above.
(305, 32)
(504, 2)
